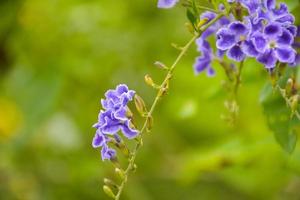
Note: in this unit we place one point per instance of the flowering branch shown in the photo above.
(162, 90)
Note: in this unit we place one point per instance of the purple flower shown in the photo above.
(296, 45)
(203, 62)
(274, 44)
(235, 40)
(113, 119)
(270, 13)
(166, 3)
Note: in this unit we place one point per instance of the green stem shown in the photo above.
(238, 78)
(208, 9)
(155, 102)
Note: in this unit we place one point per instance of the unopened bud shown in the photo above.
(149, 123)
(149, 80)
(202, 22)
(108, 192)
(120, 173)
(109, 182)
(129, 113)
(289, 86)
(294, 102)
(134, 167)
(140, 105)
(161, 65)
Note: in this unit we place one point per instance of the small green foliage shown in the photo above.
(279, 119)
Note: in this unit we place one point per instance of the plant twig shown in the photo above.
(159, 95)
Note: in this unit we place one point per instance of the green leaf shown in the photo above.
(190, 15)
(279, 120)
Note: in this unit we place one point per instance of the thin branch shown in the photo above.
(155, 102)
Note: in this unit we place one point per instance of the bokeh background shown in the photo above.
(58, 57)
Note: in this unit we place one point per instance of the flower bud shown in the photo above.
(108, 192)
(120, 173)
(109, 182)
(140, 105)
(289, 86)
(202, 22)
(134, 167)
(161, 65)
(122, 146)
(149, 80)
(149, 123)
(294, 103)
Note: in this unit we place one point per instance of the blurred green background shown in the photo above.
(58, 57)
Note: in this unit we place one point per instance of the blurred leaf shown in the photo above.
(192, 18)
(278, 118)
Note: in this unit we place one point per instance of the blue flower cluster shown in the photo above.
(267, 33)
(112, 119)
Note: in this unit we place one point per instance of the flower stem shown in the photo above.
(159, 95)
(238, 78)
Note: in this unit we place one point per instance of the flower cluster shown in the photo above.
(266, 33)
(112, 119)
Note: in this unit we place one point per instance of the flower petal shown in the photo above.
(273, 30)
(111, 126)
(286, 38)
(129, 132)
(201, 64)
(236, 53)
(98, 139)
(269, 4)
(259, 42)
(249, 49)
(268, 59)
(121, 114)
(107, 153)
(166, 3)
(210, 72)
(237, 28)
(286, 55)
(226, 39)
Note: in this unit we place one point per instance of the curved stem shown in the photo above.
(155, 102)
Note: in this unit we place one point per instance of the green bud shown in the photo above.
(149, 123)
(294, 102)
(289, 86)
(140, 105)
(129, 113)
(202, 22)
(134, 167)
(123, 148)
(109, 182)
(149, 80)
(120, 173)
(161, 65)
(108, 192)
